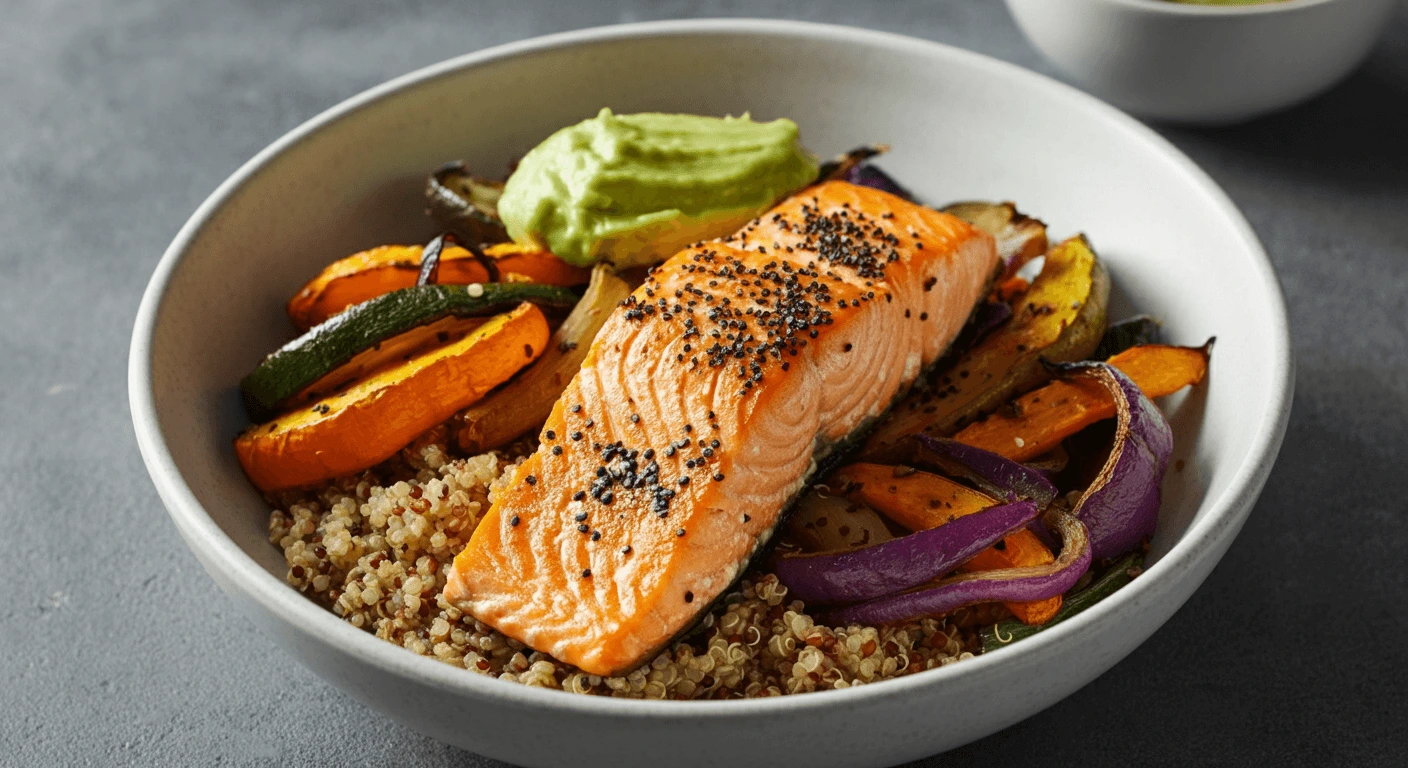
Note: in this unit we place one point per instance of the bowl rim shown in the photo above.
(239, 570)
(1174, 8)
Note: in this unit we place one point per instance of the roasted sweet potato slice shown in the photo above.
(536, 265)
(371, 273)
(1038, 421)
(371, 420)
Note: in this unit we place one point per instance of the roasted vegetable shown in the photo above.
(836, 170)
(1060, 318)
(1027, 584)
(822, 522)
(509, 259)
(1124, 570)
(1120, 336)
(465, 204)
(374, 272)
(370, 421)
(916, 500)
(854, 167)
(400, 347)
(1121, 507)
(1038, 421)
(322, 350)
(920, 500)
(524, 405)
(903, 563)
(1020, 238)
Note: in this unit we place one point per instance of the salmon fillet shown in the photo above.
(702, 409)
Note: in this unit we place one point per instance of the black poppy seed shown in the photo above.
(578, 496)
(596, 535)
(557, 450)
(718, 477)
(514, 521)
(649, 454)
(590, 423)
(580, 516)
(582, 528)
(923, 316)
(689, 597)
(530, 480)
(576, 435)
(684, 481)
(551, 435)
(626, 550)
(601, 471)
(847, 348)
(608, 497)
(679, 532)
(669, 450)
(635, 418)
(587, 573)
(577, 408)
(689, 428)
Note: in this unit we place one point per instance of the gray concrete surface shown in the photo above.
(116, 119)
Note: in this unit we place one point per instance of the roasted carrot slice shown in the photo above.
(915, 500)
(373, 272)
(536, 265)
(370, 421)
(1039, 420)
(920, 500)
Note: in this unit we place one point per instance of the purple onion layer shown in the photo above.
(1121, 507)
(906, 562)
(867, 175)
(1009, 584)
(995, 474)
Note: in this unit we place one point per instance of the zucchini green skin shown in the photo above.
(1011, 630)
(333, 342)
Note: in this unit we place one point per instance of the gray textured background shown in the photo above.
(116, 120)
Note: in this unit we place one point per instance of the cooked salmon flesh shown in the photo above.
(702, 410)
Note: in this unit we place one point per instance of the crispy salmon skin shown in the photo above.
(700, 412)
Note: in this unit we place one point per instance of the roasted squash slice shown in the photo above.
(370, 421)
(535, 265)
(1059, 319)
(921, 500)
(373, 272)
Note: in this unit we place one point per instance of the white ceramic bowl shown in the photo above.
(1199, 63)
(963, 126)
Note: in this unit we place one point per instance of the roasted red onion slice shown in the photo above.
(1011, 584)
(1121, 507)
(883, 569)
(867, 175)
(995, 474)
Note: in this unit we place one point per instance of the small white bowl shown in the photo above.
(1203, 63)
(963, 126)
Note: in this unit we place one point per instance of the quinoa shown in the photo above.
(376, 550)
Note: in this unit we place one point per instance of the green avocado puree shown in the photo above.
(635, 189)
